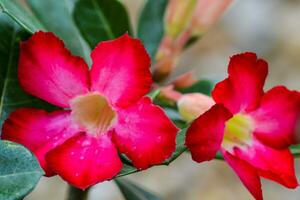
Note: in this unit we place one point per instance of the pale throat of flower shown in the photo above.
(238, 132)
(93, 113)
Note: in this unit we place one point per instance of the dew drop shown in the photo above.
(158, 138)
(47, 137)
(96, 151)
(86, 143)
(81, 157)
(72, 153)
(77, 174)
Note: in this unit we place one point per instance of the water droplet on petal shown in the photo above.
(158, 138)
(77, 174)
(86, 143)
(72, 153)
(81, 157)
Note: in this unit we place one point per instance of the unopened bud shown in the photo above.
(185, 80)
(178, 16)
(206, 14)
(192, 105)
(169, 95)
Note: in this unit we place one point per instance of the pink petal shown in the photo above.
(205, 135)
(277, 165)
(243, 88)
(121, 71)
(277, 118)
(145, 134)
(84, 161)
(49, 71)
(39, 131)
(247, 174)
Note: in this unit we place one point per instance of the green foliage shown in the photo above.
(133, 192)
(19, 172)
(151, 25)
(54, 16)
(202, 86)
(11, 95)
(100, 20)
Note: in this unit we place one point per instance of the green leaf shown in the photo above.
(133, 192)
(54, 16)
(19, 171)
(151, 25)
(100, 20)
(126, 170)
(295, 150)
(202, 86)
(11, 95)
(180, 146)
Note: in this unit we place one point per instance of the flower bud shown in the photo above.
(206, 14)
(192, 105)
(178, 16)
(169, 95)
(184, 81)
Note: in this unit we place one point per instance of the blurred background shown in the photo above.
(271, 28)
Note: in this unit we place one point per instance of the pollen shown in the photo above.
(238, 132)
(93, 112)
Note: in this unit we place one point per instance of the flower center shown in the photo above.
(93, 113)
(238, 132)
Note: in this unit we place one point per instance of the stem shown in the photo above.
(77, 194)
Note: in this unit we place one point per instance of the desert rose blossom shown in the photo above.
(251, 128)
(105, 110)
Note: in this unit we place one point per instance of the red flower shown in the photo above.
(252, 129)
(104, 110)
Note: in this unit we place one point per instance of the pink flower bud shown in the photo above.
(192, 105)
(185, 80)
(206, 13)
(169, 95)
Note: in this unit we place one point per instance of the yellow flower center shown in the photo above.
(93, 112)
(238, 132)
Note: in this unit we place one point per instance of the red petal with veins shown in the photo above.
(145, 134)
(247, 174)
(49, 71)
(277, 165)
(205, 135)
(121, 70)
(84, 161)
(39, 131)
(277, 118)
(243, 88)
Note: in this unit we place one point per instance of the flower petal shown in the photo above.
(243, 88)
(205, 135)
(49, 71)
(39, 131)
(277, 165)
(84, 161)
(247, 174)
(277, 118)
(121, 70)
(145, 134)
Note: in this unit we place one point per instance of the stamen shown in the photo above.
(238, 131)
(93, 112)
